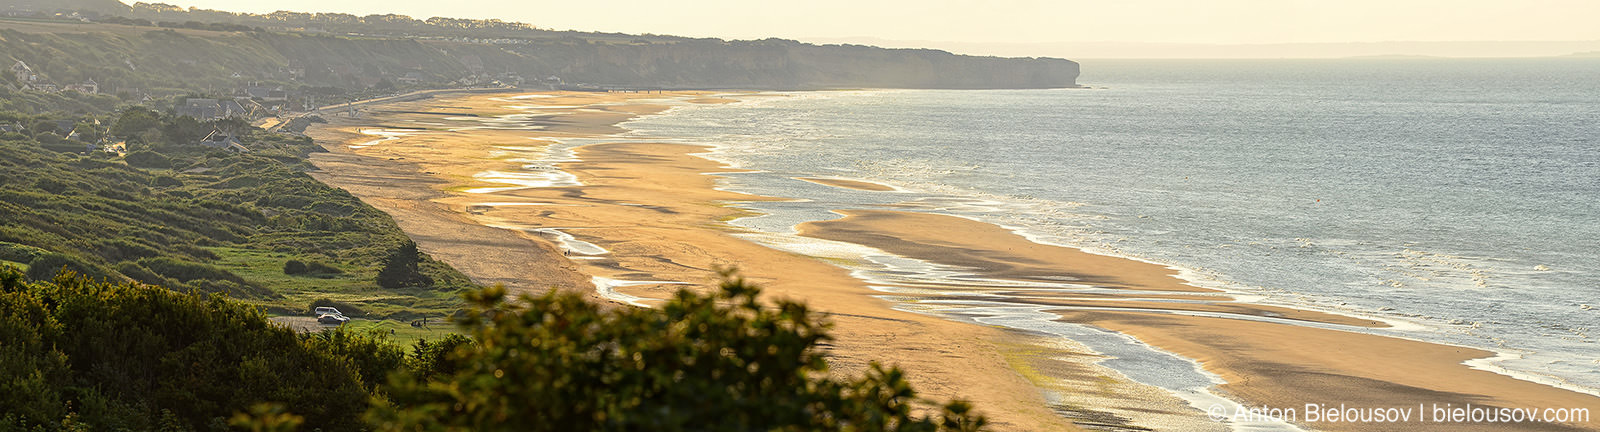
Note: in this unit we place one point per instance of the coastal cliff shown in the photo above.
(156, 46)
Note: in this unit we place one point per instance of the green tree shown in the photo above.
(134, 121)
(184, 130)
(432, 359)
(136, 357)
(716, 362)
(45, 267)
(148, 159)
(400, 268)
(372, 354)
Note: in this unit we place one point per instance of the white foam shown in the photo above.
(567, 242)
(511, 204)
(386, 134)
(525, 180)
(607, 288)
(1493, 364)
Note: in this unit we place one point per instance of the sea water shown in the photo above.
(1461, 197)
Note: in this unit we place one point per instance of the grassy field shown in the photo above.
(19, 266)
(190, 219)
(354, 294)
(402, 332)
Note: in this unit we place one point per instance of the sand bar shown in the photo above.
(651, 207)
(1265, 363)
(848, 184)
(650, 219)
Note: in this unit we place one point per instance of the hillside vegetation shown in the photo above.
(164, 47)
(191, 218)
(82, 355)
(138, 265)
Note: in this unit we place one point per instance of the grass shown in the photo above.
(402, 332)
(299, 291)
(19, 266)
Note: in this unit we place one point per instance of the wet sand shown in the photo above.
(848, 184)
(1275, 364)
(643, 219)
(653, 210)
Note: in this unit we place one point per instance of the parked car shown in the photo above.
(332, 319)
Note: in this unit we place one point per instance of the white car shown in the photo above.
(332, 319)
(324, 310)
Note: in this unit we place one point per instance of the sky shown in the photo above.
(1016, 24)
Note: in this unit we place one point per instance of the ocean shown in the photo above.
(1457, 198)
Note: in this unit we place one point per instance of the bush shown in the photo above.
(318, 268)
(185, 271)
(344, 308)
(718, 362)
(430, 360)
(131, 357)
(134, 271)
(296, 267)
(166, 180)
(19, 252)
(45, 267)
(148, 159)
(125, 248)
(372, 354)
(400, 268)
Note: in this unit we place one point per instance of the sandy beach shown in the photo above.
(629, 221)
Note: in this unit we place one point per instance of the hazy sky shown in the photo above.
(1015, 21)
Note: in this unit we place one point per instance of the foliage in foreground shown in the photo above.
(700, 362)
(80, 354)
(104, 356)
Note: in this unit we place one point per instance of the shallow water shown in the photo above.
(1459, 197)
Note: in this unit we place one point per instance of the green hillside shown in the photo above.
(191, 218)
(163, 49)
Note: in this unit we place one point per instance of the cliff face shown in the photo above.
(782, 64)
(200, 58)
(97, 6)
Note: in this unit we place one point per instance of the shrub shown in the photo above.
(345, 308)
(372, 354)
(125, 248)
(400, 268)
(51, 185)
(166, 180)
(131, 357)
(19, 252)
(312, 268)
(148, 159)
(185, 271)
(433, 359)
(136, 272)
(45, 267)
(319, 268)
(718, 362)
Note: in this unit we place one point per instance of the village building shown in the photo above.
(412, 77)
(220, 140)
(87, 87)
(267, 94)
(23, 73)
(212, 109)
(201, 109)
